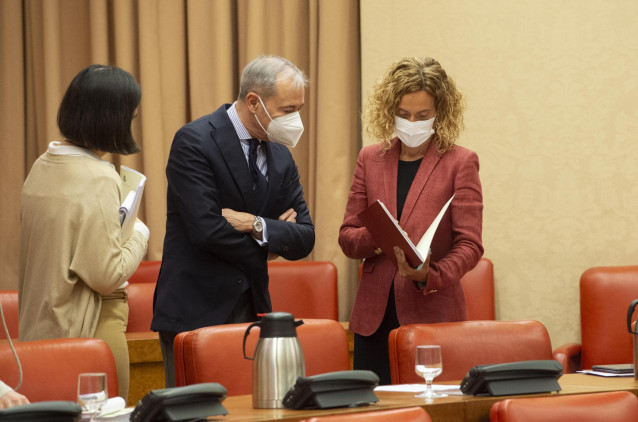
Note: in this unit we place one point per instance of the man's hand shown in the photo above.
(290, 215)
(11, 398)
(241, 221)
(412, 273)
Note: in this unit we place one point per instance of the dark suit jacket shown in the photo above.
(206, 263)
(456, 247)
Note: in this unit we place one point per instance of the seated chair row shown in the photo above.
(616, 406)
(51, 369)
(325, 347)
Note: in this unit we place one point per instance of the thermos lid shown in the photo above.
(278, 324)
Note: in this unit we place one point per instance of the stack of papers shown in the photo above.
(603, 374)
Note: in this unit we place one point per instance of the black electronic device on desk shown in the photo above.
(189, 403)
(524, 377)
(333, 389)
(49, 411)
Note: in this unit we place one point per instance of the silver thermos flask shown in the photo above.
(278, 360)
(633, 329)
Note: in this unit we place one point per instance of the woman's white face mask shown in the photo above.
(413, 134)
(285, 130)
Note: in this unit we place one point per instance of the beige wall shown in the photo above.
(552, 92)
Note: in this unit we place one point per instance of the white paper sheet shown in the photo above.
(418, 388)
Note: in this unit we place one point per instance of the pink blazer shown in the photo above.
(456, 247)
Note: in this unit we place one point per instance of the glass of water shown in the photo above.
(92, 393)
(429, 365)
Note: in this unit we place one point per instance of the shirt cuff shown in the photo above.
(141, 227)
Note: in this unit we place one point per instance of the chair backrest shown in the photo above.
(306, 289)
(147, 272)
(466, 344)
(140, 304)
(214, 354)
(406, 414)
(9, 301)
(605, 295)
(478, 286)
(51, 367)
(616, 406)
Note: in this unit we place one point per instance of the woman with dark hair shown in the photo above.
(74, 264)
(416, 114)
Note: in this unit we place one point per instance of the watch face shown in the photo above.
(258, 226)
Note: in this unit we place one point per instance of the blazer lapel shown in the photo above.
(390, 170)
(224, 135)
(429, 161)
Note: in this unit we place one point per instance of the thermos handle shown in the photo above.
(246, 336)
(630, 312)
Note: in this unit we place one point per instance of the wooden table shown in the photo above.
(446, 409)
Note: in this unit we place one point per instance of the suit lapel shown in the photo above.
(430, 159)
(224, 135)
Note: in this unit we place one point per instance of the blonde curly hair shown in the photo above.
(410, 75)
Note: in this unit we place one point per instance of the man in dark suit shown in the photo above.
(234, 200)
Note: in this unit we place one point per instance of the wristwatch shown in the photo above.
(258, 226)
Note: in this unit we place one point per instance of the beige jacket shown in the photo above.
(71, 252)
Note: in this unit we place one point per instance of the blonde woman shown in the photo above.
(416, 115)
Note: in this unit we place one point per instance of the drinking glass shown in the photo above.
(92, 393)
(429, 365)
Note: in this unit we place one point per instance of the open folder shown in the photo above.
(132, 189)
(387, 233)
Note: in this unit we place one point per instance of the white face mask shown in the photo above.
(413, 134)
(285, 130)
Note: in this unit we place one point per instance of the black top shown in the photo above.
(407, 172)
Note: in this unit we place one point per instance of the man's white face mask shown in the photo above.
(413, 134)
(285, 130)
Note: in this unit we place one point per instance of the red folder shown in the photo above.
(387, 234)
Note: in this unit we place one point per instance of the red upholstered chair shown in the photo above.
(306, 289)
(147, 272)
(616, 406)
(478, 286)
(140, 303)
(466, 344)
(605, 295)
(9, 300)
(407, 414)
(214, 354)
(140, 290)
(51, 367)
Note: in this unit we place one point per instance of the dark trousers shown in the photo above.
(371, 352)
(244, 311)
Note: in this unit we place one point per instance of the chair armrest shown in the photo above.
(568, 355)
